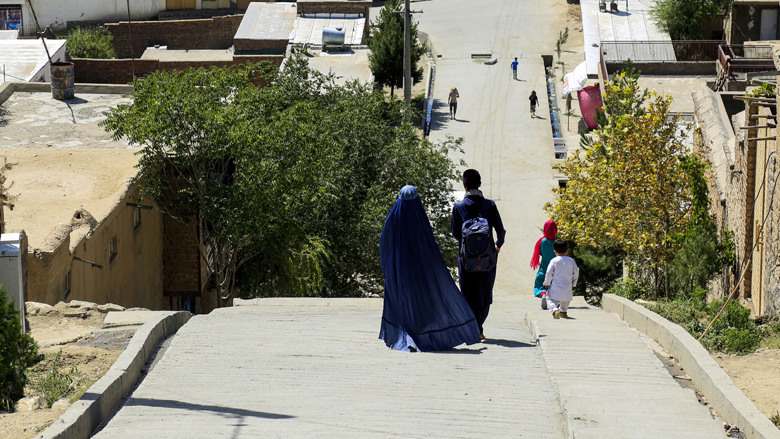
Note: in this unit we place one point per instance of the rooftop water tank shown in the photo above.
(333, 36)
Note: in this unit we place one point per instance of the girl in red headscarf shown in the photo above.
(543, 254)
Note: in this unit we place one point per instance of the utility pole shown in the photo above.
(407, 50)
(407, 53)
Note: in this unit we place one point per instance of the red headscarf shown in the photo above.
(550, 232)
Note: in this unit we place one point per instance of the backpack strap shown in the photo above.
(464, 213)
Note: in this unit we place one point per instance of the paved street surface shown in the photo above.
(296, 371)
(611, 384)
(513, 152)
(314, 368)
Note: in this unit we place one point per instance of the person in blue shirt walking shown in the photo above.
(514, 68)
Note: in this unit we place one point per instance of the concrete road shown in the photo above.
(315, 369)
(512, 151)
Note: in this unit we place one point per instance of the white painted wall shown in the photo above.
(56, 13)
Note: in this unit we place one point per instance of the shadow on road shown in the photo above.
(508, 343)
(171, 404)
(460, 351)
(440, 112)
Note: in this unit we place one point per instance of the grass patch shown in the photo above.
(733, 333)
(43, 427)
(775, 418)
(54, 381)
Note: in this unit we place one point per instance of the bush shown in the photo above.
(686, 19)
(630, 288)
(18, 352)
(53, 383)
(733, 333)
(90, 43)
(599, 269)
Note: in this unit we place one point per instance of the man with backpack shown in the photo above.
(473, 221)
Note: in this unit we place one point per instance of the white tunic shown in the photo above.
(562, 274)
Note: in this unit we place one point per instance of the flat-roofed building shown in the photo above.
(91, 236)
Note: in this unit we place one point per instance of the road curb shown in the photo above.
(84, 416)
(533, 326)
(712, 381)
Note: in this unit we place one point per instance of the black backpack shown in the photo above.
(477, 250)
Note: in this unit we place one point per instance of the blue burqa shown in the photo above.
(423, 308)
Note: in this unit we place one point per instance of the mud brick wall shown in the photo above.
(181, 259)
(739, 198)
(249, 44)
(210, 33)
(120, 71)
(720, 286)
(771, 301)
(335, 7)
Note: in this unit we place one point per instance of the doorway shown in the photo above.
(768, 24)
(179, 4)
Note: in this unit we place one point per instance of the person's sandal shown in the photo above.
(557, 315)
(565, 315)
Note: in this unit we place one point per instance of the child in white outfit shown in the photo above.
(562, 274)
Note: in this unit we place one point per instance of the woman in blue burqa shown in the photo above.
(423, 308)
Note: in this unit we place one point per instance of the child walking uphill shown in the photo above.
(561, 277)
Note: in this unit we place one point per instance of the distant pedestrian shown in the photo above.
(561, 278)
(477, 275)
(453, 101)
(534, 102)
(514, 68)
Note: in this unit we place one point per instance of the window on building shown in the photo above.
(112, 249)
(136, 217)
(562, 183)
(11, 17)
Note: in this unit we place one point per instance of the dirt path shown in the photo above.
(92, 353)
(758, 376)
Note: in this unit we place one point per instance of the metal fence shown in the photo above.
(27, 32)
(661, 51)
(745, 58)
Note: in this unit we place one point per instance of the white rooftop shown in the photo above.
(267, 21)
(632, 22)
(24, 59)
(308, 29)
(8, 34)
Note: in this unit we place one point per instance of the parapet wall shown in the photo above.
(120, 71)
(210, 33)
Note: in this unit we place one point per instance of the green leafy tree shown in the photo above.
(628, 189)
(623, 97)
(386, 58)
(599, 268)
(90, 43)
(687, 19)
(701, 252)
(287, 186)
(18, 352)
